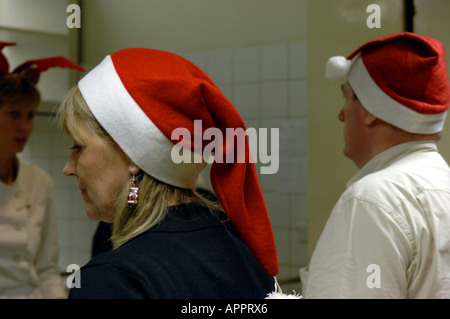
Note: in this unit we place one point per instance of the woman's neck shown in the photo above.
(8, 169)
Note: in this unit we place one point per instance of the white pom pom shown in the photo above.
(280, 295)
(337, 68)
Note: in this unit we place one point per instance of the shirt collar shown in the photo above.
(391, 155)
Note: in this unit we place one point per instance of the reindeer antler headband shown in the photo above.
(32, 69)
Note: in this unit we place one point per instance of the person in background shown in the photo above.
(28, 235)
(388, 234)
(168, 241)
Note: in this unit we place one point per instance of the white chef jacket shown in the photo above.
(28, 237)
(388, 235)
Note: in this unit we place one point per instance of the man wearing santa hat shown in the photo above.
(388, 235)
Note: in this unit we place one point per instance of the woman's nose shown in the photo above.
(26, 125)
(69, 169)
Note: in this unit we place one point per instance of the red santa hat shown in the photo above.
(401, 79)
(140, 96)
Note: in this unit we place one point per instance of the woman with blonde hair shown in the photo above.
(169, 242)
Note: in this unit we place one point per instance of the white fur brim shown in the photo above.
(281, 295)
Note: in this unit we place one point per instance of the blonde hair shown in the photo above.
(155, 197)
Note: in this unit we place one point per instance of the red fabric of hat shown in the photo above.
(140, 96)
(401, 78)
(410, 69)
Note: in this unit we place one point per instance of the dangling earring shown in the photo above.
(133, 196)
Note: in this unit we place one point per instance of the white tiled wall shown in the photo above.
(267, 85)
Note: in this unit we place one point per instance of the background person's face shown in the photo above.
(16, 125)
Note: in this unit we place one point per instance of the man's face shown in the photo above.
(353, 116)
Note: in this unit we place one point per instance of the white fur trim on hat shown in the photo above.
(132, 129)
(278, 293)
(387, 109)
(337, 68)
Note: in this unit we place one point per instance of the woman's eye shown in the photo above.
(14, 114)
(77, 148)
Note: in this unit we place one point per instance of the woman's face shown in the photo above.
(102, 170)
(16, 125)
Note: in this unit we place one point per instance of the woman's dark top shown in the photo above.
(191, 254)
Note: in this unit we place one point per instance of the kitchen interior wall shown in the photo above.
(263, 57)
